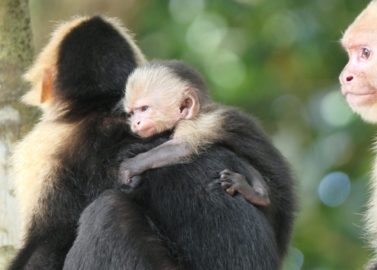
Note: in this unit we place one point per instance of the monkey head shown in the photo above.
(359, 77)
(157, 99)
(63, 83)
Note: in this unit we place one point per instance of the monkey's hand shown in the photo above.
(128, 174)
(134, 182)
(234, 183)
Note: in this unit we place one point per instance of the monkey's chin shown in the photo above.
(367, 112)
(361, 99)
(146, 133)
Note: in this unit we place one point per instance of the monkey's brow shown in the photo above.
(355, 46)
(351, 45)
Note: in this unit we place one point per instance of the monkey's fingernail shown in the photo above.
(231, 191)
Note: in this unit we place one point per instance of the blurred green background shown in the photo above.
(279, 60)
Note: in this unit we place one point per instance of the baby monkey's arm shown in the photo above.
(190, 136)
(174, 152)
(169, 153)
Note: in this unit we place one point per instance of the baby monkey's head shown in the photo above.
(161, 93)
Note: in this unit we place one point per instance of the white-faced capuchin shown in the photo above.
(359, 86)
(166, 95)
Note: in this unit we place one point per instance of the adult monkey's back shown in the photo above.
(70, 158)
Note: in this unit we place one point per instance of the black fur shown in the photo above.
(88, 78)
(115, 234)
(244, 136)
(172, 221)
(204, 229)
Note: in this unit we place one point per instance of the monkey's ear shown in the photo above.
(47, 84)
(190, 105)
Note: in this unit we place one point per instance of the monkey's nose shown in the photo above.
(345, 78)
(135, 126)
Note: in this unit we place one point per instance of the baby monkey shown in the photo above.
(167, 95)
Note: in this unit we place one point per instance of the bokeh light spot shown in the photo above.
(334, 109)
(334, 189)
(294, 260)
(206, 33)
(185, 11)
(281, 28)
(228, 71)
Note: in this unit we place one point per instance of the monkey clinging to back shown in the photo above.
(165, 95)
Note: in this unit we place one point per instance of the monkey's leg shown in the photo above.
(256, 193)
(168, 153)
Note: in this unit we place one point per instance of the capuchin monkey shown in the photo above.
(166, 95)
(359, 86)
(75, 216)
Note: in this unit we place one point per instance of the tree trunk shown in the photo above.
(15, 55)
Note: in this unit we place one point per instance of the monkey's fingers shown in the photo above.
(230, 176)
(124, 176)
(134, 181)
(231, 191)
(131, 184)
(226, 185)
(225, 173)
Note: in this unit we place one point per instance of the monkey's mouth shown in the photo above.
(145, 133)
(360, 98)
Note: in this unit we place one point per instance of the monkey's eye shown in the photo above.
(130, 113)
(365, 53)
(144, 108)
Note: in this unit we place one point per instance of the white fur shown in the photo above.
(34, 165)
(367, 113)
(156, 82)
(46, 60)
(364, 28)
(202, 131)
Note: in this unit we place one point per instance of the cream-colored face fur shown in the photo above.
(157, 84)
(158, 90)
(359, 77)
